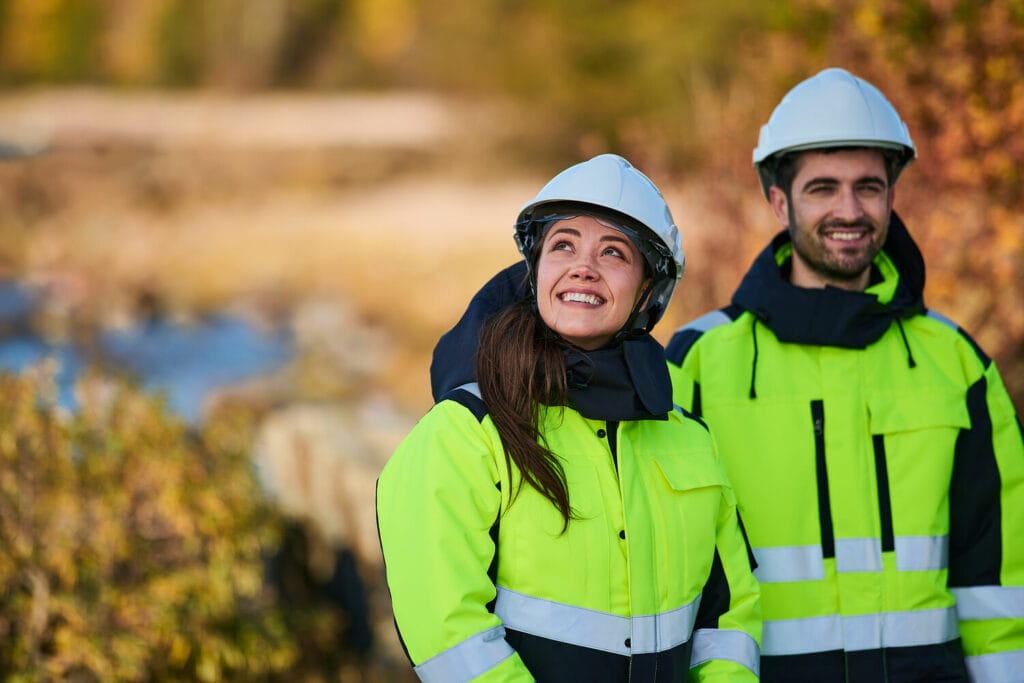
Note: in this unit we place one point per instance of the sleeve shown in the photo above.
(727, 633)
(986, 553)
(437, 499)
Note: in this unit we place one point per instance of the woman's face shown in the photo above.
(589, 277)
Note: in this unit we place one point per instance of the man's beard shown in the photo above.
(810, 247)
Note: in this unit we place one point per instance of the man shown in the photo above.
(876, 456)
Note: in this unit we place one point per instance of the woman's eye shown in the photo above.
(613, 251)
(561, 245)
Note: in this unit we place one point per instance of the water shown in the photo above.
(185, 363)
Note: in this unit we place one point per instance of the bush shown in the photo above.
(129, 548)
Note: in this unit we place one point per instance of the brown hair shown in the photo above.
(783, 170)
(519, 367)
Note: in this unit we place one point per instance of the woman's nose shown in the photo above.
(584, 269)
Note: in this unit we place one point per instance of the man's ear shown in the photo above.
(780, 204)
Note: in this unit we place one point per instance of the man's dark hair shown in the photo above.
(781, 169)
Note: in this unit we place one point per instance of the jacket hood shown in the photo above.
(833, 316)
(454, 359)
(627, 381)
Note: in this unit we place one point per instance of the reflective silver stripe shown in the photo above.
(805, 562)
(471, 387)
(789, 563)
(996, 667)
(990, 602)
(862, 632)
(858, 555)
(943, 319)
(922, 553)
(729, 645)
(472, 657)
(707, 322)
(593, 629)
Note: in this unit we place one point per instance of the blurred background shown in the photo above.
(232, 230)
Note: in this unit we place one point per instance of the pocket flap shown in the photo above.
(910, 412)
(688, 470)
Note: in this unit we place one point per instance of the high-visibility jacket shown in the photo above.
(651, 580)
(879, 468)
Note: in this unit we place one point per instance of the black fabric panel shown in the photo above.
(693, 416)
(469, 400)
(697, 408)
(492, 569)
(612, 429)
(680, 344)
(828, 541)
(715, 597)
(941, 663)
(975, 524)
(671, 666)
(454, 360)
(551, 661)
(884, 498)
(746, 541)
(683, 339)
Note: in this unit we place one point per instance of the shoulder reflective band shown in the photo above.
(989, 602)
(942, 319)
(996, 667)
(472, 657)
(728, 645)
(707, 322)
(593, 629)
(471, 387)
(862, 632)
(806, 562)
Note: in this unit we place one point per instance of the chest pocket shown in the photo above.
(914, 438)
(900, 413)
(694, 487)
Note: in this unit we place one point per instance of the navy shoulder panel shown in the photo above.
(685, 337)
(982, 356)
(696, 418)
(468, 396)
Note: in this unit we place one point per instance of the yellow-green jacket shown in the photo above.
(650, 582)
(879, 468)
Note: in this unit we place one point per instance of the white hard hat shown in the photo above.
(609, 187)
(833, 109)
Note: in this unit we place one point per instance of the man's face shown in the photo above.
(837, 214)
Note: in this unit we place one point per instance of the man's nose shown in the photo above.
(848, 205)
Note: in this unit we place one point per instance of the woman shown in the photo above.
(559, 520)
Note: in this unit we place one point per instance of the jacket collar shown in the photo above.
(834, 316)
(626, 382)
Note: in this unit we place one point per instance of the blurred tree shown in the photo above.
(129, 551)
(50, 40)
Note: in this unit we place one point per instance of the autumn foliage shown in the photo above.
(130, 550)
